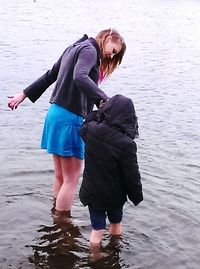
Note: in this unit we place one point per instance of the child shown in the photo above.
(111, 172)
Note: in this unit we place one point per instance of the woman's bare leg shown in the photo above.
(71, 171)
(58, 181)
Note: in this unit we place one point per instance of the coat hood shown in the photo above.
(119, 112)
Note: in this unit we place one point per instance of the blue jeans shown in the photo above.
(98, 217)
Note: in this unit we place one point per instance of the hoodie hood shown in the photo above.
(119, 112)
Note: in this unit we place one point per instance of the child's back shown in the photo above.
(111, 169)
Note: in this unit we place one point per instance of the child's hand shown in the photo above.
(14, 101)
(102, 102)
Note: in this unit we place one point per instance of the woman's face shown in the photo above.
(111, 48)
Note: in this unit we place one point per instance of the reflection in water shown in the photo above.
(62, 246)
(59, 245)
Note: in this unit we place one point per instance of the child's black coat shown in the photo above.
(111, 169)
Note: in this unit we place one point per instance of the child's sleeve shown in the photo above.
(131, 174)
(92, 116)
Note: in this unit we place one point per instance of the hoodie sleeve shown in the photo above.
(131, 174)
(92, 116)
(39, 86)
(87, 59)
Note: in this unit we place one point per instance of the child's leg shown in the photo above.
(95, 245)
(115, 228)
(98, 222)
(96, 236)
(115, 218)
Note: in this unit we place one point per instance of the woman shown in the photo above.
(77, 73)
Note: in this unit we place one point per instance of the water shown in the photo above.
(160, 72)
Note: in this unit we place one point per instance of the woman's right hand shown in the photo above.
(14, 101)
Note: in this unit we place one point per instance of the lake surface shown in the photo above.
(161, 73)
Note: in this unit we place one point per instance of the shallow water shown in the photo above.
(160, 72)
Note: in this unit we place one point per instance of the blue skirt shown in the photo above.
(61, 133)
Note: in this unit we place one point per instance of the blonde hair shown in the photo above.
(108, 65)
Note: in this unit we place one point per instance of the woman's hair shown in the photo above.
(108, 65)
